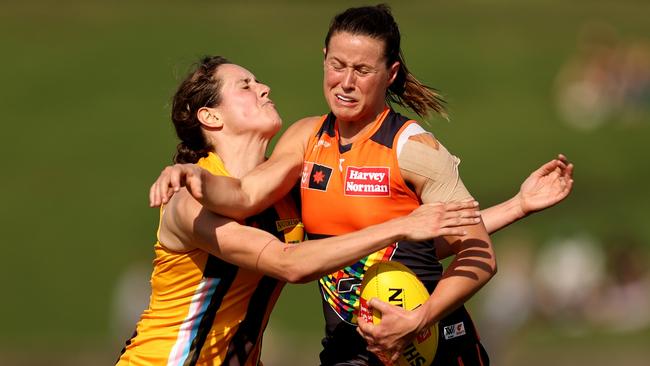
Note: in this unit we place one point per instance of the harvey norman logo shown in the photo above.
(367, 181)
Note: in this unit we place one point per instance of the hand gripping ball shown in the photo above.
(396, 284)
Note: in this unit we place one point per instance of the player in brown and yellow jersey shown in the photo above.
(362, 164)
(215, 280)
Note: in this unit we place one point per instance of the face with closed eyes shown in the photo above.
(245, 105)
(356, 77)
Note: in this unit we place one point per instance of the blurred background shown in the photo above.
(85, 97)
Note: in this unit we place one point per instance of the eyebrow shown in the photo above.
(356, 66)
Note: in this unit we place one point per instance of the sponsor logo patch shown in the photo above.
(367, 181)
(323, 143)
(453, 331)
(345, 285)
(286, 223)
(315, 176)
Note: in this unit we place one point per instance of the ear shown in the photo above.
(392, 72)
(209, 117)
(324, 51)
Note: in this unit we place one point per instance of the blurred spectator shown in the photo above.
(568, 274)
(606, 80)
(623, 303)
(575, 282)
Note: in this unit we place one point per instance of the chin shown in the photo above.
(345, 114)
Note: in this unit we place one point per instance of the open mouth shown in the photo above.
(344, 98)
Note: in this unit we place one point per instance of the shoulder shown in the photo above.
(305, 125)
(413, 132)
(296, 137)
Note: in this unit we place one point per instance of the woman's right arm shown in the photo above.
(241, 198)
(187, 225)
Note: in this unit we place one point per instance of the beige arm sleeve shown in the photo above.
(423, 155)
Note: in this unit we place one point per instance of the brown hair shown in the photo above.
(378, 22)
(201, 88)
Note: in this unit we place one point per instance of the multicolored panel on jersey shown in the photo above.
(342, 288)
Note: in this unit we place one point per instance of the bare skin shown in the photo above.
(240, 129)
(356, 78)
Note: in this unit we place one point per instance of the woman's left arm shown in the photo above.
(433, 173)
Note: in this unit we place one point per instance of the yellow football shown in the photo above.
(396, 284)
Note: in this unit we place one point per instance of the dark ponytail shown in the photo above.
(201, 88)
(378, 22)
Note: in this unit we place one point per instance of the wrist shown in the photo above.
(421, 319)
(518, 206)
(398, 230)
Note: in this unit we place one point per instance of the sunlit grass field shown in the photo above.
(86, 88)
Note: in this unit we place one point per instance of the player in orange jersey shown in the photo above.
(215, 280)
(362, 164)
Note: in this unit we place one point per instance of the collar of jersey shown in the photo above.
(371, 131)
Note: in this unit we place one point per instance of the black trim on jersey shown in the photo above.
(265, 220)
(226, 272)
(314, 236)
(388, 129)
(126, 344)
(328, 126)
(344, 148)
(251, 328)
(384, 135)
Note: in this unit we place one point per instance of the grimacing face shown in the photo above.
(245, 104)
(356, 77)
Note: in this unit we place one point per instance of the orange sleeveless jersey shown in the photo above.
(203, 310)
(347, 188)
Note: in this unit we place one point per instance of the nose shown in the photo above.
(348, 79)
(265, 90)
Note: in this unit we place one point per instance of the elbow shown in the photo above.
(297, 273)
(491, 267)
(244, 209)
(240, 215)
(242, 212)
(297, 279)
(488, 269)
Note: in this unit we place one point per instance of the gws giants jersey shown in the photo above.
(345, 188)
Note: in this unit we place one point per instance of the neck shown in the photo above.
(241, 154)
(349, 131)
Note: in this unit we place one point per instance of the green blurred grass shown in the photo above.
(85, 102)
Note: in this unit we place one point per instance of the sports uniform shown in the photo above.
(348, 187)
(203, 310)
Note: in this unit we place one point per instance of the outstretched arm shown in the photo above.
(545, 187)
(240, 198)
(186, 221)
